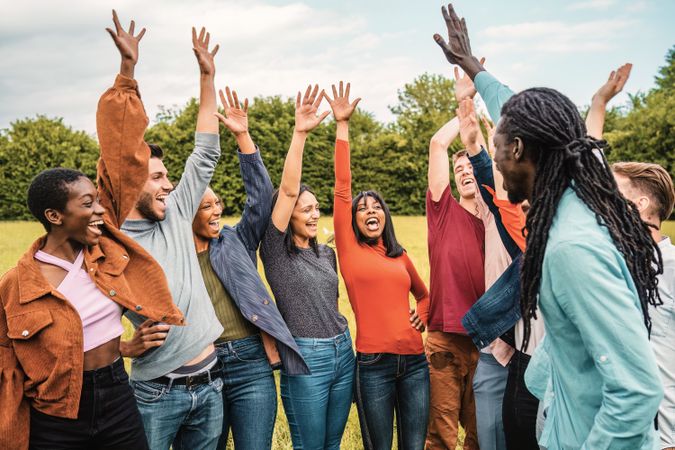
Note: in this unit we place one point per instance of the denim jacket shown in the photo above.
(233, 257)
(498, 309)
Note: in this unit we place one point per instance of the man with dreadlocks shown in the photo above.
(590, 264)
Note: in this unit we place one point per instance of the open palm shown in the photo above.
(200, 45)
(306, 108)
(126, 42)
(464, 87)
(235, 115)
(342, 108)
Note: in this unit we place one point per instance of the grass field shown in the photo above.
(15, 237)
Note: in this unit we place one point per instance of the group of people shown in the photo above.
(548, 279)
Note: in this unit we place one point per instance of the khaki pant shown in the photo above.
(452, 363)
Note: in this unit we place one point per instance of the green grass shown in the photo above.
(15, 237)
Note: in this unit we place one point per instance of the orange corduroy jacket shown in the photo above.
(41, 339)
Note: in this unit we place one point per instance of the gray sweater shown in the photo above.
(170, 242)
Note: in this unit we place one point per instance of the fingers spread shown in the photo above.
(246, 105)
(305, 98)
(297, 100)
(116, 21)
(230, 100)
(215, 50)
(335, 93)
(356, 102)
(317, 102)
(342, 91)
(349, 85)
(323, 115)
(140, 35)
(315, 91)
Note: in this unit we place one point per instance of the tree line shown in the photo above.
(389, 157)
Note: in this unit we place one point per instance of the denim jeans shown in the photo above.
(489, 384)
(249, 394)
(519, 410)
(107, 417)
(317, 405)
(386, 383)
(185, 417)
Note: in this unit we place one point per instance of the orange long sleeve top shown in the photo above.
(378, 286)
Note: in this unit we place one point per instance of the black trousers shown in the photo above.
(519, 408)
(107, 418)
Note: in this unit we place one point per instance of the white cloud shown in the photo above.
(591, 4)
(554, 36)
(58, 62)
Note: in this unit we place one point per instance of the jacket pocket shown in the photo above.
(25, 326)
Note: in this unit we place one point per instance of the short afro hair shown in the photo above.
(49, 190)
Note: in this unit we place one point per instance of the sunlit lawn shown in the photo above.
(15, 237)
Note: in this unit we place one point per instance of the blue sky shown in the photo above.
(56, 59)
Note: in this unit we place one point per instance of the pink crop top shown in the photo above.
(101, 317)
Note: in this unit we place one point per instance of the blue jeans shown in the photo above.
(489, 384)
(317, 405)
(249, 394)
(185, 417)
(386, 382)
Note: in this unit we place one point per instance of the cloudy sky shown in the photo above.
(56, 58)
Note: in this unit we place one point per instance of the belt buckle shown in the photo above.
(191, 381)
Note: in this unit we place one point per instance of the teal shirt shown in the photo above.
(595, 364)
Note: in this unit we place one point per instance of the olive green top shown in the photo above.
(234, 323)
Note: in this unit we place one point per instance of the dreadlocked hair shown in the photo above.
(554, 137)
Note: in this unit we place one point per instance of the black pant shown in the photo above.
(519, 408)
(107, 418)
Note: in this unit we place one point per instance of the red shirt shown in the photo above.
(378, 286)
(457, 262)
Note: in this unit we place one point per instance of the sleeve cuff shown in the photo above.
(122, 82)
(250, 158)
(207, 140)
(482, 80)
(482, 159)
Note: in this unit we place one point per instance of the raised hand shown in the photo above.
(490, 128)
(458, 48)
(464, 87)
(342, 108)
(306, 108)
(614, 85)
(127, 44)
(468, 126)
(200, 45)
(235, 116)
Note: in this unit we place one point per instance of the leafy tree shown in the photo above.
(30, 146)
(646, 132)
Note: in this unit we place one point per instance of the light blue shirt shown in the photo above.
(663, 342)
(604, 382)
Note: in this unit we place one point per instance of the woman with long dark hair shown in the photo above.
(303, 276)
(391, 370)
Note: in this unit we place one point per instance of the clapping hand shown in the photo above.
(235, 115)
(306, 108)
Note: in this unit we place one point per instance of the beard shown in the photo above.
(516, 195)
(144, 206)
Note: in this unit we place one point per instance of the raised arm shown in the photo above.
(306, 120)
(201, 164)
(595, 119)
(120, 124)
(457, 49)
(439, 163)
(342, 198)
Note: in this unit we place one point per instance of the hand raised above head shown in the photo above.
(125, 41)
(200, 45)
(457, 49)
(235, 116)
(342, 108)
(464, 87)
(468, 124)
(491, 129)
(615, 83)
(306, 108)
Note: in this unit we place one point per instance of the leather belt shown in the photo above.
(192, 380)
